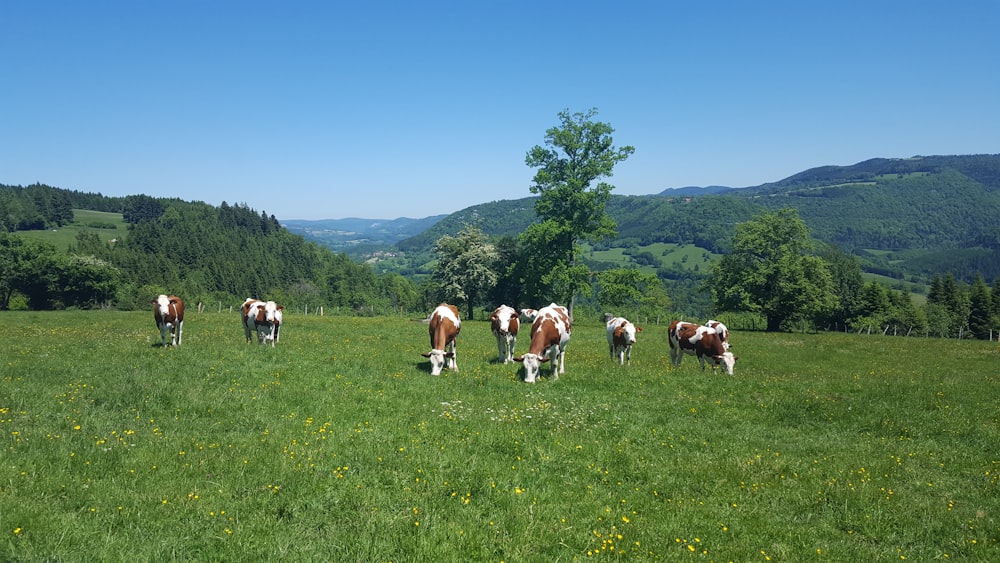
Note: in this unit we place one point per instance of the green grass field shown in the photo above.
(337, 445)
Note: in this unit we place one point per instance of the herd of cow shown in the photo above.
(551, 327)
(262, 318)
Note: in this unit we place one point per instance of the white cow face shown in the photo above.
(728, 361)
(532, 366)
(437, 358)
(163, 304)
(270, 309)
(628, 331)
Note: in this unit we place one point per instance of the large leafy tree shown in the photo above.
(466, 266)
(577, 154)
(17, 260)
(770, 271)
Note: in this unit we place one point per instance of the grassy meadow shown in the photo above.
(337, 445)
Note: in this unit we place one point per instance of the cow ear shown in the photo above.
(449, 355)
(518, 358)
(426, 354)
(638, 329)
(545, 359)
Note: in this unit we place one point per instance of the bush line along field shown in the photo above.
(338, 445)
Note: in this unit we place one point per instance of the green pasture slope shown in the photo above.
(107, 226)
(679, 256)
(337, 445)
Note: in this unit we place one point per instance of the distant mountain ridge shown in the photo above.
(903, 217)
(695, 191)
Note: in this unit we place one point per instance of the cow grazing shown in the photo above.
(549, 335)
(168, 312)
(722, 330)
(700, 341)
(504, 323)
(262, 318)
(621, 337)
(445, 325)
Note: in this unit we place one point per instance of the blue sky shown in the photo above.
(385, 109)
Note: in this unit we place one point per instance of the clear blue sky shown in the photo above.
(385, 109)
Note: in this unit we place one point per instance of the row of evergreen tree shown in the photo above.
(953, 310)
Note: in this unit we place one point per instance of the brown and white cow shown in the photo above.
(621, 337)
(504, 324)
(700, 341)
(262, 318)
(549, 335)
(445, 325)
(168, 312)
(722, 330)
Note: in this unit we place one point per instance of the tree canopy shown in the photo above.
(577, 153)
(466, 267)
(770, 272)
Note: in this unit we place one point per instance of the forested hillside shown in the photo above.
(904, 218)
(213, 255)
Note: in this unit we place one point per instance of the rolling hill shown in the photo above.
(904, 218)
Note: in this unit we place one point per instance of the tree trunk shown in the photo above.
(773, 324)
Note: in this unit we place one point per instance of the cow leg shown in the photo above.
(501, 348)
(163, 333)
(676, 356)
(180, 331)
(628, 355)
(453, 360)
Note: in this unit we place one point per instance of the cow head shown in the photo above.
(504, 319)
(162, 305)
(626, 333)
(437, 358)
(727, 361)
(270, 309)
(532, 365)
